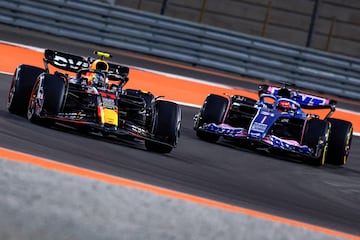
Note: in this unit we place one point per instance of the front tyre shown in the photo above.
(46, 99)
(212, 111)
(339, 141)
(165, 128)
(20, 89)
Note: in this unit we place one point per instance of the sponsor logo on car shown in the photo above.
(138, 130)
(309, 100)
(259, 127)
(228, 131)
(65, 62)
(73, 116)
(109, 103)
(305, 99)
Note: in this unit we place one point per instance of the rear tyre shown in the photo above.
(166, 127)
(212, 111)
(46, 99)
(339, 141)
(20, 89)
(316, 137)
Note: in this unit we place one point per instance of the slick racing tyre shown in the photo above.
(316, 137)
(339, 141)
(166, 127)
(20, 89)
(46, 98)
(212, 111)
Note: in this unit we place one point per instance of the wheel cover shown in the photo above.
(325, 147)
(11, 95)
(36, 101)
(31, 107)
(12, 89)
(348, 144)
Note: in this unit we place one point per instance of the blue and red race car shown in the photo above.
(277, 121)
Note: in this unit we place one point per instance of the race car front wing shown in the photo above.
(268, 140)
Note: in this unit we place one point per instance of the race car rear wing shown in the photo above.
(116, 69)
(306, 101)
(74, 63)
(65, 61)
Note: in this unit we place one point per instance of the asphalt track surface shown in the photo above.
(324, 196)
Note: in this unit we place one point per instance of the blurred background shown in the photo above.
(313, 44)
(328, 25)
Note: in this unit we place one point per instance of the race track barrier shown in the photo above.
(196, 44)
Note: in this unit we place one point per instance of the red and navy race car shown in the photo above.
(277, 121)
(89, 96)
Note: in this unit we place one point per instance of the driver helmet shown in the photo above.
(283, 106)
(95, 78)
(99, 65)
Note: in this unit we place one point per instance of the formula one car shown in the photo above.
(89, 96)
(277, 123)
